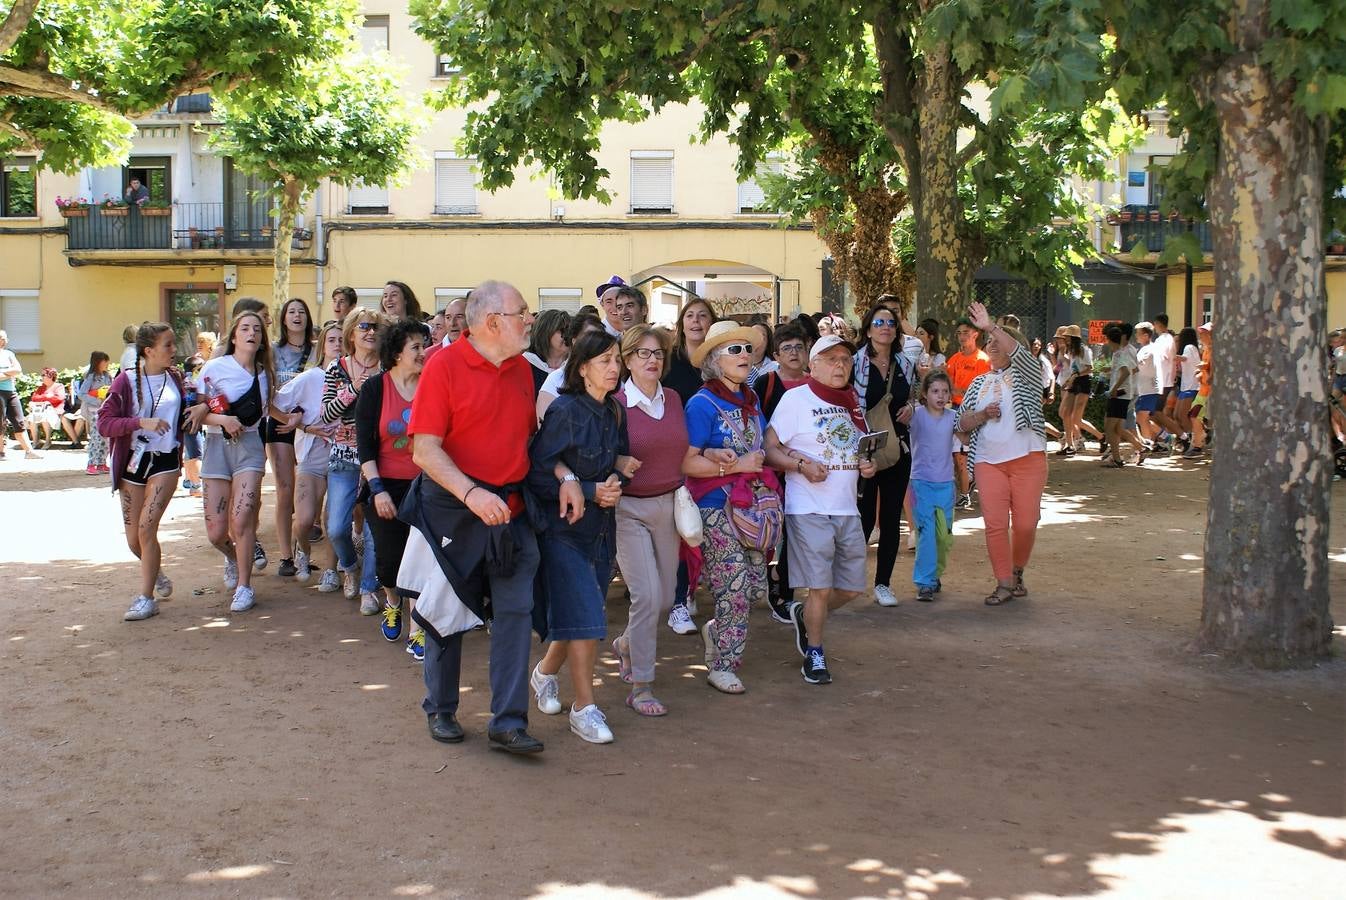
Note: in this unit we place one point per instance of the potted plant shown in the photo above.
(1125, 215)
(1154, 215)
(112, 206)
(153, 208)
(73, 207)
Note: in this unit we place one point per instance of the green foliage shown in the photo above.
(80, 66)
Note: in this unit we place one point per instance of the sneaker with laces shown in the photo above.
(964, 501)
(780, 607)
(141, 608)
(815, 667)
(416, 645)
(90, 470)
(350, 586)
(680, 620)
(258, 557)
(547, 689)
(244, 599)
(163, 587)
(926, 593)
(104, 470)
(303, 569)
(230, 573)
(590, 724)
(392, 621)
(801, 633)
(330, 582)
(287, 568)
(1193, 453)
(315, 534)
(884, 596)
(369, 604)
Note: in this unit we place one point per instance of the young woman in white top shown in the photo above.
(240, 381)
(292, 351)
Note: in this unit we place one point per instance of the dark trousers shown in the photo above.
(887, 490)
(390, 535)
(511, 639)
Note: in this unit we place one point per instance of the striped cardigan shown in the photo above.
(1026, 387)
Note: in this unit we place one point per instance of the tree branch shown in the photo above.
(897, 107)
(47, 86)
(20, 14)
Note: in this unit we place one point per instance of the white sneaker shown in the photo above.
(303, 568)
(163, 587)
(230, 574)
(547, 690)
(691, 604)
(142, 608)
(244, 599)
(680, 620)
(369, 604)
(330, 583)
(590, 724)
(350, 587)
(884, 596)
(911, 539)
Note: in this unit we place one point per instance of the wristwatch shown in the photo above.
(569, 476)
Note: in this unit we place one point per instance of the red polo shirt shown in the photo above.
(483, 414)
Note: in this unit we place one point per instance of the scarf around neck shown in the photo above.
(747, 402)
(846, 398)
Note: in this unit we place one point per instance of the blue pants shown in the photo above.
(343, 484)
(511, 639)
(930, 556)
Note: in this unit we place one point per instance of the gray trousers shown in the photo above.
(647, 553)
(511, 641)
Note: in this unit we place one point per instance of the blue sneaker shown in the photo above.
(392, 621)
(416, 645)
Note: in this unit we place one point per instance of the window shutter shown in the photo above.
(455, 186)
(374, 34)
(445, 296)
(445, 66)
(20, 319)
(568, 299)
(365, 198)
(369, 298)
(750, 194)
(651, 181)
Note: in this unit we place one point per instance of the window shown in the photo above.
(369, 298)
(365, 200)
(155, 173)
(20, 321)
(445, 67)
(750, 194)
(18, 187)
(374, 34)
(568, 299)
(445, 296)
(651, 181)
(455, 185)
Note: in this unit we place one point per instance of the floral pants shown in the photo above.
(97, 443)
(737, 580)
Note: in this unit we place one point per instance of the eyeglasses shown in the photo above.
(832, 359)
(791, 348)
(882, 323)
(736, 349)
(523, 314)
(647, 353)
(367, 326)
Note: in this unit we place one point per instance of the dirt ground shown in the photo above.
(1068, 744)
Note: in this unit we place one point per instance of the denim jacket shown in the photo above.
(587, 436)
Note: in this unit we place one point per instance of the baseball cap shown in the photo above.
(827, 342)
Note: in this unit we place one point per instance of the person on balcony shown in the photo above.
(136, 193)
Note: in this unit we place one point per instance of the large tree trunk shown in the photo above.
(1265, 597)
(291, 194)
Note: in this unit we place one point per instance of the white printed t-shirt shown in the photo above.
(824, 433)
(1147, 371)
(229, 378)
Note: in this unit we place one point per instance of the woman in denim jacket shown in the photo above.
(579, 458)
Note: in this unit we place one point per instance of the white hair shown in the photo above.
(486, 298)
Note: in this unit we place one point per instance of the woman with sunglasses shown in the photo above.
(885, 366)
(341, 389)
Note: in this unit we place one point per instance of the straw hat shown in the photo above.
(1069, 331)
(726, 331)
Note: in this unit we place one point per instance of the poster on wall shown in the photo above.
(1096, 328)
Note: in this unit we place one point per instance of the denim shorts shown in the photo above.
(223, 460)
(576, 586)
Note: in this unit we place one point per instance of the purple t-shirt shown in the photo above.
(932, 445)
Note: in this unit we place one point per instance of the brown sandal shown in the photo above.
(1000, 596)
(1018, 590)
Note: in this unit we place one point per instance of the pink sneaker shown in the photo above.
(104, 470)
(91, 470)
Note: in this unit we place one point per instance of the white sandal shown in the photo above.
(725, 682)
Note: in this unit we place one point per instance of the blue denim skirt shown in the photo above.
(576, 582)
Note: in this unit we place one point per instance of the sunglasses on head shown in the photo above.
(367, 326)
(736, 349)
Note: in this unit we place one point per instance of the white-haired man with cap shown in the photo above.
(814, 438)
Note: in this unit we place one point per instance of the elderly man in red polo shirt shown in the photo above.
(471, 421)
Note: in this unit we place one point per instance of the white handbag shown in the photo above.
(687, 516)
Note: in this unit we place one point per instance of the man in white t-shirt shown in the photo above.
(814, 438)
(1149, 387)
(1166, 414)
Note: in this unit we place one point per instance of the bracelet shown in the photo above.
(469, 492)
(376, 487)
(721, 470)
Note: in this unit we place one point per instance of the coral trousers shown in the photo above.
(1011, 502)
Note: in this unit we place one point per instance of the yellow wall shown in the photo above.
(1336, 297)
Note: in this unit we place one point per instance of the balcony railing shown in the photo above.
(187, 226)
(1146, 223)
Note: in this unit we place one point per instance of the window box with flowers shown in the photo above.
(72, 207)
(113, 206)
(153, 208)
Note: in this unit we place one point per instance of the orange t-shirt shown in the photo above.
(963, 369)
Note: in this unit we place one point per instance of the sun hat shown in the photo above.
(1207, 327)
(615, 281)
(1069, 331)
(827, 342)
(726, 331)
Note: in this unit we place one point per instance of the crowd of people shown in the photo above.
(488, 467)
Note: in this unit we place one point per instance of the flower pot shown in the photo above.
(75, 212)
(1125, 216)
(156, 211)
(1154, 215)
(1337, 249)
(115, 211)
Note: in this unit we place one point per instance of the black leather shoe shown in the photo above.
(515, 740)
(445, 728)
